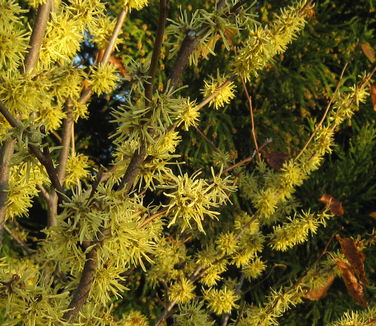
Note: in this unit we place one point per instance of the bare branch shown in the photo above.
(45, 160)
(37, 35)
(114, 36)
(83, 289)
(157, 49)
(86, 92)
(188, 45)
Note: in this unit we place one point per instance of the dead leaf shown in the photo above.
(368, 51)
(373, 214)
(354, 256)
(320, 292)
(229, 34)
(119, 65)
(275, 159)
(373, 97)
(354, 287)
(334, 205)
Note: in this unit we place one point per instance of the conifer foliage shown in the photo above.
(199, 238)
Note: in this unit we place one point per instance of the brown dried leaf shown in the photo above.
(373, 215)
(229, 34)
(368, 51)
(373, 97)
(355, 289)
(320, 292)
(334, 205)
(275, 159)
(354, 256)
(119, 65)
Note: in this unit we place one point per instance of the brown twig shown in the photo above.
(166, 312)
(86, 92)
(18, 240)
(250, 158)
(207, 139)
(190, 43)
(187, 47)
(83, 289)
(324, 115)
(153, 217)
(63, 158)
(149, 84)
(238, 289)
(138, 157)
(37, 35)
(45, 160)
(111, 43)
(44, 192)
(253, 129)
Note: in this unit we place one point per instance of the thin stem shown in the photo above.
(37, 35)
(18, 240)
(226, 317)
(153, 217)
(253, 129)
(87, 278)
(190, 43)
(86, 92)
(248, 159)
(187, 47)
(111, 43)
(324, 115)
(44, 192)
(166, 312)
(8, 116)
(207, 139)
(138, 157)
(63, 158)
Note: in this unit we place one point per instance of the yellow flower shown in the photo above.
(221, 301)
(77, 169)
(135, 4)
(182, 291)
(103, 78)
(225, 94)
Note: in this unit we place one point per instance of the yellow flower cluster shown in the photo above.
(192, 198)
(134, 4)
(296, 230)
(221, 301)
(182, 291)
(265, 42)
(223, 95)
(76, 170)
(23, 182)
(103, 78)
(13, 36)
